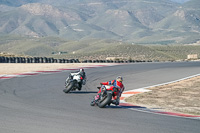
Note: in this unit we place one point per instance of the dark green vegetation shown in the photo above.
(94, 49)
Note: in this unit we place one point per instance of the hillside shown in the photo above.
(140, 22)
(93, 49)
(16, 3)
(192, 4)
(180, 1)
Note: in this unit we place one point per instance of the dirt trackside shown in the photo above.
(14, 68)
(179, 97)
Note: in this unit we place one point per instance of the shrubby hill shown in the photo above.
(99, 28)
(180, 1)
(144, 21)
(94, 49)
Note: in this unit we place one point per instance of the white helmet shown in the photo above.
(81, 70)
(119, 78)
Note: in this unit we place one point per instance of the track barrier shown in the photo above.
(52, 60)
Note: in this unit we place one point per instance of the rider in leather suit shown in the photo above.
(114, 83)
(83, 78)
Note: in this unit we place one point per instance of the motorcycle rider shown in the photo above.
(82, 74)
(83, 78)
(117, 83)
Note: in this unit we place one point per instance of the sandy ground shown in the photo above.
(179, 97)
(9, 68)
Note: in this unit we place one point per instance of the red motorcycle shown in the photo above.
(106, 96)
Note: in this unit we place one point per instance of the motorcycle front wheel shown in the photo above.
(106, 100)
(69, 87)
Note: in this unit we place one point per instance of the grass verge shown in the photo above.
(179, 97)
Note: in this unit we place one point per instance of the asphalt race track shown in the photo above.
(37, 104)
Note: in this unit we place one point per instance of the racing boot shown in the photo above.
(116, 102)
(94, 102)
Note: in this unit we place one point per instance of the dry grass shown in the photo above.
(181, 97)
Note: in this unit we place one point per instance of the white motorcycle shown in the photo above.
(73, 82)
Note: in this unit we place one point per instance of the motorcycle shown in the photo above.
(105, 96)
(73, 82)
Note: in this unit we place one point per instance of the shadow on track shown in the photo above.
(124, 106)
(82, 92)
